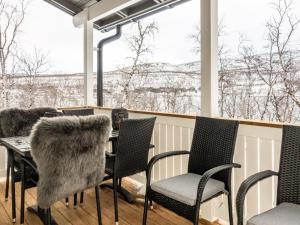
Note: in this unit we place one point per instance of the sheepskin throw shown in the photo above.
(19, 122)
(70, 155)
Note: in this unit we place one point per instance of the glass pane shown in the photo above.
(259, 46)
(155, 65)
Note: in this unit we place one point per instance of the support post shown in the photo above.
(88, 62)
(209, 54)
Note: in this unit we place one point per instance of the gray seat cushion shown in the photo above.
(283, 214)
(183, 188)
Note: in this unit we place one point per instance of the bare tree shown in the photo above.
(11, 19)
(30, 67)
(139, 45)
(196, 38)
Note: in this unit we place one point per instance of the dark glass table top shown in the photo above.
(21, 145)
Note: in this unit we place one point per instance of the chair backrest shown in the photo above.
(69, 153)
(133, 146)
(213, 145)
(19, 122)
(78, 112)
(289, 169)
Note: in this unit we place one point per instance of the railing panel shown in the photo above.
(251, 168)
(177, 146)
(239, 175)
(265, 194)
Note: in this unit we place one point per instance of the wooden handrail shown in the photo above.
(184, 116)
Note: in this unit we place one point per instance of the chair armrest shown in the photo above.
(158, 157)
(208, 174)
(245, 186)
(28, 163)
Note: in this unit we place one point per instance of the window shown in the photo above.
(155, 65)
(259, 48)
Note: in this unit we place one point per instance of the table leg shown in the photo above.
(41, 213)
(122, 191)
(13, 192)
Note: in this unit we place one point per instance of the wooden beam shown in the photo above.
(209, 55)
(102, 9)
(66, 6)
(88, 62)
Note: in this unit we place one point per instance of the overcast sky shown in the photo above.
(51, 31)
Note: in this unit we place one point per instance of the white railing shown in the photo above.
(257, 149)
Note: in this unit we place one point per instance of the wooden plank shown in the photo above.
(156, 139)
(170, 147)
(177, 146)
(162, 148)
(129, 214)
(252, 168)
(265, 187)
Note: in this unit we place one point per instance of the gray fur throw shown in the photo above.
(19, 122)
(70, 155)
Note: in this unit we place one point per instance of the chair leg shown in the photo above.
(67, 202)
(75, 201)
(115, 184)
(98, 205)
(120, 182)
(7, 180)
(145, 209)
(151, 204)
(230, 208)
(22, 193)
(13, 193)
(81, 197)
(48, 217)
(196, 220)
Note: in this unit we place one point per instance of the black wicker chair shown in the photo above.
(131, 153)
(287, 211)
(209, 171)
(18, 122)
(77, 112)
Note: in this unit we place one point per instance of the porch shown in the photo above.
(257, 146)
(257, 149)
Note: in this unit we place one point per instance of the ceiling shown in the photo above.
(134, 12)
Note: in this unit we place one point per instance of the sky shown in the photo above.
(51, 31)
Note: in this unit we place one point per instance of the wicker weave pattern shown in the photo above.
(289, 170)
(78, 112)
(213, 145)
(133, 146)
(179, 208)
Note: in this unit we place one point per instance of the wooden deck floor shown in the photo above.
(86, 214)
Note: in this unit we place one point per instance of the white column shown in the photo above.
(209, 54)
(88, 62)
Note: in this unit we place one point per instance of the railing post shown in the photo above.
(88, 62)
(209, 54)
